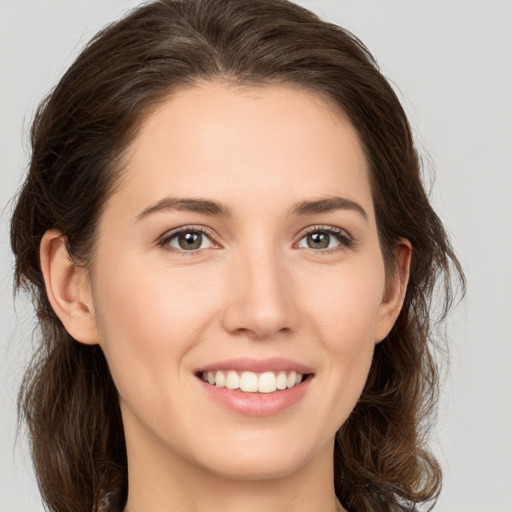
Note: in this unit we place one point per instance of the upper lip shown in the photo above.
(249, 364)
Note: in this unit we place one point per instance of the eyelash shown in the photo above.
(344, 239)
(165, 240)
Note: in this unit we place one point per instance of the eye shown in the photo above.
(187, 240)
(325, 238)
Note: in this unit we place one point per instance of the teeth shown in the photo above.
(232, 380)
(267, 382)
(250, 382)
(281, 380)
(220, 380)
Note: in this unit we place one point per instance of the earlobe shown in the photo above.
(396, 288)
(68, 289)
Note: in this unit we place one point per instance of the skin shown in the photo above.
(255, 288)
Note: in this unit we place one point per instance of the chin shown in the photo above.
(258, 468)
(260, 460)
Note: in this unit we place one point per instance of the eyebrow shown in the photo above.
(205, 206)
(209, 207)
(328, 204)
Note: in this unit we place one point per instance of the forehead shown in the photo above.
(226, 142)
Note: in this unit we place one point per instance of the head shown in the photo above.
(87, 138)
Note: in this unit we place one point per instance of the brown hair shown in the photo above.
(79, 136)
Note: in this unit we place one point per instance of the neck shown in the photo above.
(163, 482)
(235, 496)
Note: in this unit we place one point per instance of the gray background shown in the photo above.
(452, 63)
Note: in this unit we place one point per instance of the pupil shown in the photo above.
(318, 240)
(190, 240)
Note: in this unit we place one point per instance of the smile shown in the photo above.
(252, 382)
(255, 387)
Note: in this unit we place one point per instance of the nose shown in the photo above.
(260, 297)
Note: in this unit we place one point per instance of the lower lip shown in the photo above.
(257, 404)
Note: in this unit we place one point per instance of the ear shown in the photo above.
(68, 289)
(395, 289)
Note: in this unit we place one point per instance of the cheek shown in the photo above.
(149, 319)
(138, 297)
(350, 339)
(346, 316)
(346, 303)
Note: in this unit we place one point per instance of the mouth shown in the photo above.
(256, 387)
(254, 382)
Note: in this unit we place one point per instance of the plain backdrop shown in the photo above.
(451, 64)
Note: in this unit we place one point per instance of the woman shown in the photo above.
(232, 258)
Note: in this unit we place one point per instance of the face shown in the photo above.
(240, 251)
